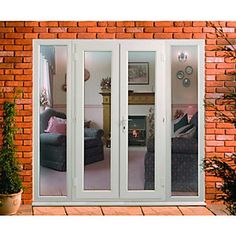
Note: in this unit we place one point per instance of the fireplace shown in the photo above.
(137, 131)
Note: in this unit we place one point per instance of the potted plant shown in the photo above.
(10, 182)
(106, 84)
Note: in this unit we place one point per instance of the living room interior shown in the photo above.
(97, 120)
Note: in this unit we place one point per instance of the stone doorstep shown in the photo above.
(210, 210)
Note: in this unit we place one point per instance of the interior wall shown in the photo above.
(59, 78)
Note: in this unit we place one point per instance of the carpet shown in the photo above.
(97, 175)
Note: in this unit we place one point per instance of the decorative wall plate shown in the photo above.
(189, 70)
(180, 74)
(186, 82)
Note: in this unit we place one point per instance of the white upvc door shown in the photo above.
(131, 52)
(85, 51)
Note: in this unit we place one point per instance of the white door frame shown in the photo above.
(162, 97)
(79, 48)
(158, 48)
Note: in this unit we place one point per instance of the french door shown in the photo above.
(123, 163)
(118, 101)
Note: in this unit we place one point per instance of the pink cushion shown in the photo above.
(56, 125)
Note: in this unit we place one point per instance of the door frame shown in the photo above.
(158, 48)
(70, 199)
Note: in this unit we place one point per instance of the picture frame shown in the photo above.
(138, 73)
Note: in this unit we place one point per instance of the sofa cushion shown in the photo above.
(56, 125)
(180, 122)
(52, 139)
(182, 130)
(188, 134)
(90, 142)
(184, 145)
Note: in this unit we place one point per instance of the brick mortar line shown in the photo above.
(102, 211)
(65, 210)
(180, 210)
(142, 211)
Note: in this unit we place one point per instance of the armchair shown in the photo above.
(53, 146)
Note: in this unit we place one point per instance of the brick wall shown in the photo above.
(16, 71)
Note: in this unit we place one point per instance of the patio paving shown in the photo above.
(209, 210)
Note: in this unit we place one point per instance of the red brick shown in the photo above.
(163, 35)
(143, 35)
(8, 29)
(48, 23)
(226, 65)
(164, 23)
(96, 29)
(47, 35)
(192, 30)
(215, 72)
(199, 36)
(40, 30)
(14, 23)
(14, 83)
(6, 53)
(115, 29)
(13, 47)
(58, 30)
(23, 41)
(106, 23)
(124, 35)
(77, 30)
(31, 36)
(214, 143)
(173, 29)
(14, 72)
(6, 65)
(86, 35)
(23, 53)
(231, 131)
(183, 23)
(225, 149)
(24, 29)
(14, 35)
(31, 23)
(182, 35)
(144, 23)
(125, 24)
(134, 29)
(105, 35)
(13, 59)
(6, 41)
(230, 143)
(67, 35)
(153, 29)
(225, 137)
(199, 23)
(67, 23)
(7, 77)
(87, 23)
(23, 77)
(224, 125)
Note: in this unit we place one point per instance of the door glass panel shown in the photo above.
(97, 120)
(184, 116)
(141, 153)
(53, 109)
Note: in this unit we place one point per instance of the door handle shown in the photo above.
(123, 124)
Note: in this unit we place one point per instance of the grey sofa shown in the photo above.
(184, 163)
(53, 146)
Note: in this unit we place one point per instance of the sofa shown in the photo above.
(184, 162)
(53, 145)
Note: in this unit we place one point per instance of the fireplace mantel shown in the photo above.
(135, 98)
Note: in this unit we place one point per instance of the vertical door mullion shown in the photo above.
(158, 48)
(81, 48)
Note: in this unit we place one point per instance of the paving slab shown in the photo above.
(92, 211)
(49, 211)
(161, 211)
(195, 211)
(122, 211)
(25, 210)
(219, 210)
